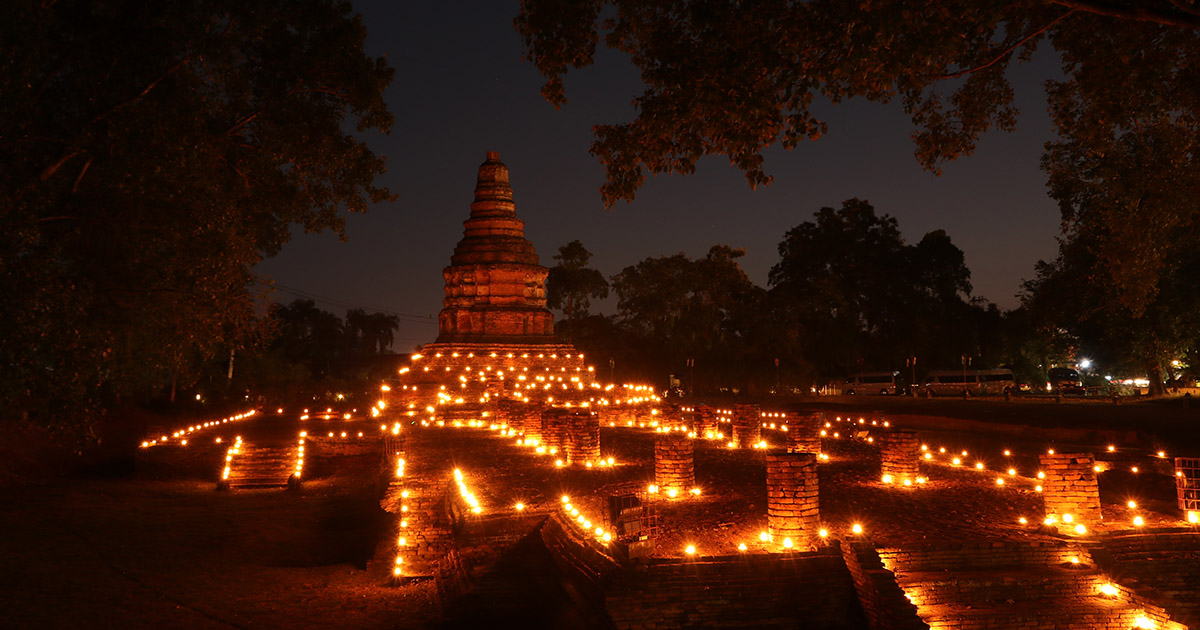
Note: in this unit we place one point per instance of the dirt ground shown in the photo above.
(157, 546)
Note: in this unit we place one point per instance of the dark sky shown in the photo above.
(461, 89)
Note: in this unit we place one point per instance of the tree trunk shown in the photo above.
(1154, 374)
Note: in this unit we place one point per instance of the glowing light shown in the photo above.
(787, 543)
(823, 533)
(691, 550)
(887, 479)
(1143, 622)
(1108, 589)
(1137, 521)
(1080, 529)
(857, 529)
(741, 546)
(1132, 505)
(520, 506)
(764, 536)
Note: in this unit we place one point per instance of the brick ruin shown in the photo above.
(747, 425)
(900, 455)
(674, 467)
(804, 432)
(1070, 486)
(706, 425)
(792, 502)
(581, 436)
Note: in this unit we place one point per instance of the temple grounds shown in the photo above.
(161, 546)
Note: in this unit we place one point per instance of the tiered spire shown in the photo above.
(495, 289)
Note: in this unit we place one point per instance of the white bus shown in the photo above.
(969, 383)
(882, 383)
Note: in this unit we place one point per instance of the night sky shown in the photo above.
(461, 89)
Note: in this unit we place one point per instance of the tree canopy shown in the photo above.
(571, 284)
(733, 78)
(864, 298)
(152, 154)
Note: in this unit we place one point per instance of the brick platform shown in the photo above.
(792, 504)
(1070, 486)
(674, 465)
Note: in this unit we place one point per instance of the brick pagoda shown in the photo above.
(495, 335)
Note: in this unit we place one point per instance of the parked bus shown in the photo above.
(969, 383)
(882, 383)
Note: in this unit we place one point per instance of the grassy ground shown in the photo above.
(157, 547)
(161, 548)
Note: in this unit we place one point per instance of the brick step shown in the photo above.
(1078, 613)
(1027, 584)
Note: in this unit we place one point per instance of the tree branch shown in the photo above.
(1186, 8)
(140, 95)
(1133, 13)
(1007, 51)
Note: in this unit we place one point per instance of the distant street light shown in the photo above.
(1085, 363)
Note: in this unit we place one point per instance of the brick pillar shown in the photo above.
(899, 454)
(706, 422)
(623, 415)
(804, 432)
(747, 425)
(502, 412)
(581, 436)
(792, 508)
(1070, 486)
(528, 420)
(674, 464)
(554, 421)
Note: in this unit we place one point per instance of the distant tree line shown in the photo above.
(847, 295)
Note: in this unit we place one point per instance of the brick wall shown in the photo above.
(883, 603)
(799, 590)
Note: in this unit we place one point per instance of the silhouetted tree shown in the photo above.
(150, 155)
(571, 284)
(862, 298)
